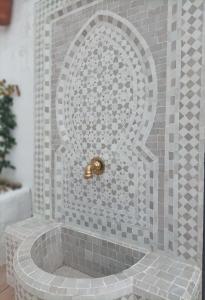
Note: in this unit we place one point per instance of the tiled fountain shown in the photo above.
(123, 81)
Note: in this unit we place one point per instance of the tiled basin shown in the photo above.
(85, 253)
(57, 262)
(64, 263)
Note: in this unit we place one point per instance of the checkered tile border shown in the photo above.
(184, 145)
(172, 124)
(42, 9)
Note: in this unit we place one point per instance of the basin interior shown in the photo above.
(71, 253)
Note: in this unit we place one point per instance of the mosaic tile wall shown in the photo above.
(122, 80)
(124, 202)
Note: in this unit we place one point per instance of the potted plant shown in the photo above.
(7, 125)
(15, 200)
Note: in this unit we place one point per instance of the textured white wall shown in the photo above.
(16, 66)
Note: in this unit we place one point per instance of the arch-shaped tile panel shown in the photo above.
(107, 89)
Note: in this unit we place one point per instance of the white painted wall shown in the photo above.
(16, 66)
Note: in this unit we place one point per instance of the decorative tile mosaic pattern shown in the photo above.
(184, 157)
(128, 132)
(189, 130)
(116, 220)
(173, 91)
(112, 71)
(129, 185)
(107, 75)
(41, 9)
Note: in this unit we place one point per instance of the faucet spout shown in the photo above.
(88, 172)
(95, 167)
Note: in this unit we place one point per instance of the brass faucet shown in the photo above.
(95, 167)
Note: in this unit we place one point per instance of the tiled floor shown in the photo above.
(6, 292)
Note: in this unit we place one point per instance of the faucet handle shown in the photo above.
(98, 165)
